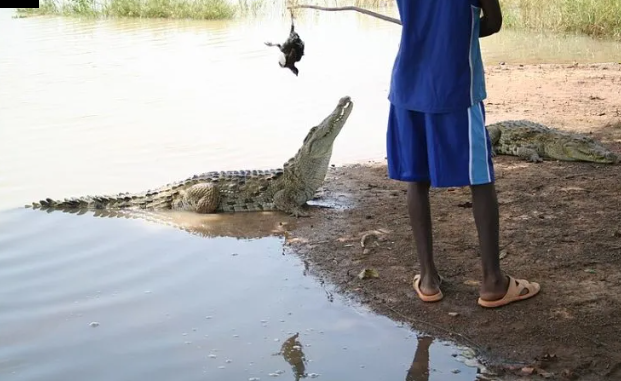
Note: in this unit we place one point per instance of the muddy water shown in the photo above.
(124, 299)
(92, 107)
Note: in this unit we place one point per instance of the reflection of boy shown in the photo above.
(436, 131)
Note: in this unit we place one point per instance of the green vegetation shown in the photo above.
(174, 9)
(597, 18)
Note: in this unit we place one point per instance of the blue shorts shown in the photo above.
(447, 150)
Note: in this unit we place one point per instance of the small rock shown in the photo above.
(468, 353)
(546, 375)
(455, 371)
(313, 375)
(503, 254)
(549, 357)
(453, 314)
(368, 273)
(369, 239)
(472, 363)
(528, 370)
(212, 356)
(94, 324)
(568, 374)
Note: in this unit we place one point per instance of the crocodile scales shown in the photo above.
(284, 189)
(534, 142)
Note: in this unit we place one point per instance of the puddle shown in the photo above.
(128, 299)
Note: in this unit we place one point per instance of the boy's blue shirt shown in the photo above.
(438, 67)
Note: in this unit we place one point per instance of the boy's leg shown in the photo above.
(420, 220)
(460, 155)
(406, 145)
(486, 219)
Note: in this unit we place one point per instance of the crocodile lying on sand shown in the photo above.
(285, 189)
(534, 142)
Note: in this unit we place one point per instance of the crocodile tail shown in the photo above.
(159, 199)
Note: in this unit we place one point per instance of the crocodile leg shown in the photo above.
(529, 154)
(494, 137)
(201, 198)
(291, 203)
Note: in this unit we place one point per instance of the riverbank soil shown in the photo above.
(560, 226)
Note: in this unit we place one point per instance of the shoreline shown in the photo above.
(560, 226)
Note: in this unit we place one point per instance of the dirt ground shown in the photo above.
(560, 226)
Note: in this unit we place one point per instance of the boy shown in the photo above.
(436, 132)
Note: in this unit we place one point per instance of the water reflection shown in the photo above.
(293, 354)
(249, 225)
(292, 351)
(419, 370)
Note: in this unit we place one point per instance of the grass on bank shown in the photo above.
(174, 9)
(597, 18)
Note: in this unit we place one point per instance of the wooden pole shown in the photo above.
(350, 8)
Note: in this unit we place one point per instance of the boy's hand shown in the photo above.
(491, 22)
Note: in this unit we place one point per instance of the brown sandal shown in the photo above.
(426, 298)
(514, 293)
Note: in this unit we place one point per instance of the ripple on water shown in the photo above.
(169, 304)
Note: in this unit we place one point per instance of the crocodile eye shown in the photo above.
(310, 133)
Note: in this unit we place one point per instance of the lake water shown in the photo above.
(90, 107)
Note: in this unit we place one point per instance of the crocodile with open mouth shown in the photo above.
(284, 189)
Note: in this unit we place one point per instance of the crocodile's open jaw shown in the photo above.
(319, 140)
(285, 189)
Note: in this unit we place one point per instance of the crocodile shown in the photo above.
(285, 189)
(535, 142)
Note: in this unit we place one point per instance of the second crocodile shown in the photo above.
(534, 142)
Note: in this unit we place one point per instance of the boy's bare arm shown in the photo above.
(491, 22)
